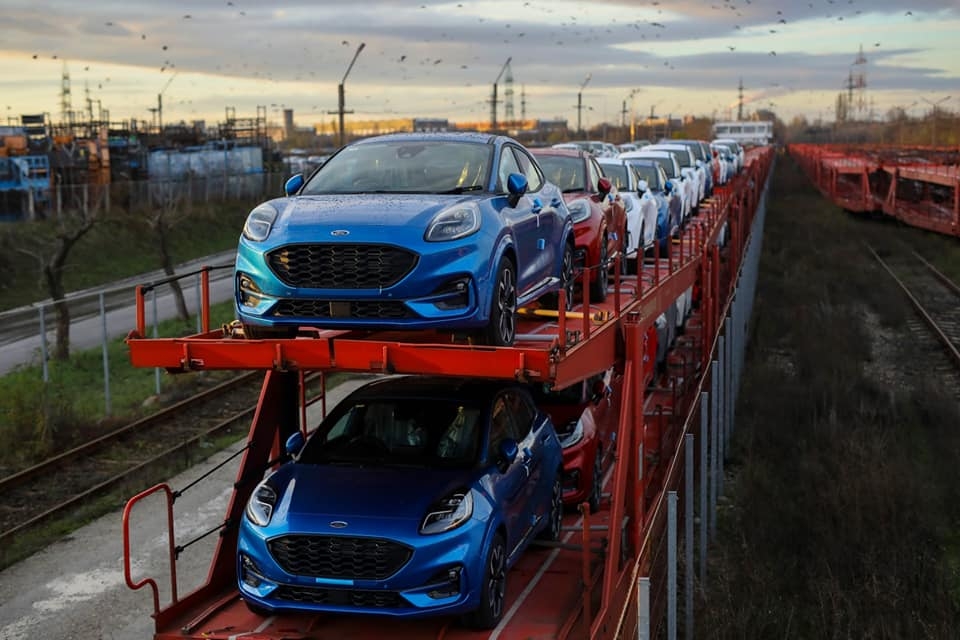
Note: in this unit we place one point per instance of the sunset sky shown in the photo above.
(440, 59)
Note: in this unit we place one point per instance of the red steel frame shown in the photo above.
(919, 186)
(591, 590)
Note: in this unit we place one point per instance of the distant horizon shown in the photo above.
(441, 58)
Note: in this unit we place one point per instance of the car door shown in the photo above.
(510, 487)
(531, 441)
(523, 219)
(549, 220)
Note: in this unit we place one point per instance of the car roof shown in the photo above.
(560, 151)
(445, 136)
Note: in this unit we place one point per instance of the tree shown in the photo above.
(53, 243)
(171, 209)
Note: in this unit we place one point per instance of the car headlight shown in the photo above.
(453, 223)
(259, 222)
(579, 210)
(567, 440)
(448, 513)
(260, 506)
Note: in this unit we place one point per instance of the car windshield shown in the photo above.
(404, 166)
(567, 172)
(650, 174)
(618, 175)
(405, 432)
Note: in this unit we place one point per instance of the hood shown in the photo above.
(362, 216)
(346, 493)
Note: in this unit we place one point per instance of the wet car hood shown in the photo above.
(344, 492)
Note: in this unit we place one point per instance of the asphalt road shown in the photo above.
(20, 328)
(75, 587)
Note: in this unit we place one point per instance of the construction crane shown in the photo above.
(493, 101)
(160, 103)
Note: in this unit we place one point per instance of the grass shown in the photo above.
(209, 229)
(843, 484)
(44, 419)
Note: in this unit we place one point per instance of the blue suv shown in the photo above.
(414, 497)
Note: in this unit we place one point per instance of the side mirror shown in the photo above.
(598, 391)
(293, 185)
(604, 186)
(517, 186)
(508, 451)
(294, 443)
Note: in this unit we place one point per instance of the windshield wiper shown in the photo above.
(456, 190)
(573, 190)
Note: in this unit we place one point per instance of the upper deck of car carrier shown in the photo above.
(586, 584)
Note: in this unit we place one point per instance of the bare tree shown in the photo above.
(161, 220)
(52, 252)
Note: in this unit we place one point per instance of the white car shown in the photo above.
(684, 184)
(737, 150)
(641, 212)
(688, 168)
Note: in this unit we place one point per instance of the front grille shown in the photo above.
(358, 309)
(341, 266)
(339, 557)
(341, 597)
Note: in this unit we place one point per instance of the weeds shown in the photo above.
(844, 490)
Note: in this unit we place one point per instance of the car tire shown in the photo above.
(568, 281)
(501, 329)
(555, 523)
(600, 286)
(259, 332)
(493, 589)
(596, 487)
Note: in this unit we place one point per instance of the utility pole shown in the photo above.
(340, 94)
(935, 116)
(493, 101)
(580, 104)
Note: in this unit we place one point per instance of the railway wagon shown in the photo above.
(613, 572)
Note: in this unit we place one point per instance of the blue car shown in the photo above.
(655, 185)
(444, 231)
(414, 497)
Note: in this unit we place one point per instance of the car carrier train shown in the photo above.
(649, 374)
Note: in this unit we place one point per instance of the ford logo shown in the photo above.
(339, 233)
(338, 524)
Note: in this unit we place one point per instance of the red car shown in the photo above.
(585, 416)
(599, 214)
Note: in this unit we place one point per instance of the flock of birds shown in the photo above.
(741, 18)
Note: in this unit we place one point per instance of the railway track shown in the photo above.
(936, 300)
(65, 483)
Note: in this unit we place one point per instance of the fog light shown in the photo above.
(450, 585)
(250, 572)
(456, 294)
(249, 291)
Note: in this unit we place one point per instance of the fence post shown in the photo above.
(714, 412)
(43, 345)
(107, 409)
(643, 608)
(722, 413)
(704, 481)
(688, 538)
(672, 565)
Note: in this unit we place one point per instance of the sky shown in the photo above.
(440, 59)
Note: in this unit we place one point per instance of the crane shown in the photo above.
(493, 102)
(160, 102)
